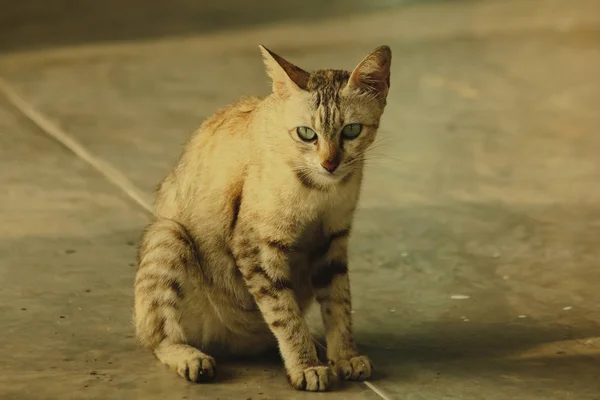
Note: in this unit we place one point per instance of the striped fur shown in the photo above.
(249, 229)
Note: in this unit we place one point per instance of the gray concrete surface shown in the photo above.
(485, 184)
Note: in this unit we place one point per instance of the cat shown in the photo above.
(253, 223)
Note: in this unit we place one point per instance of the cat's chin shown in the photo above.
(324, 178)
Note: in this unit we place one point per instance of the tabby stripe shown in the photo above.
(281, 308)
(153, 282)
(279, 245)
(274, 283)
(282, 284)
(255, 270)
(180, 235)
(275, 287)
(176, 287)
(278, 323)
(155, 305)
(237, 203)
(266, 292)
(248, 252)
(166, 243)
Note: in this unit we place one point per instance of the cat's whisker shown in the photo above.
(379, 157)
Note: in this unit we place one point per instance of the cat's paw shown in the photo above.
(356, 368)
(312, 379)
(198, 368)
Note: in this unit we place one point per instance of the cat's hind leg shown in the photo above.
(166, 267)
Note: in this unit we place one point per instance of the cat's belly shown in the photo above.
(225, 318)
(225, 329)
(221, 313)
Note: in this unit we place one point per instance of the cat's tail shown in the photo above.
(165, 255)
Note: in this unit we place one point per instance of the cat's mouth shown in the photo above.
(327, 177)
(318, 177)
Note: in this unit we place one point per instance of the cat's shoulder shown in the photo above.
(233, 114)
(246, 104)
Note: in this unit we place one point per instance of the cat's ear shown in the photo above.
(285, 75)
(372, 74)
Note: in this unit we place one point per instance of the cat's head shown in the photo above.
(331, 116)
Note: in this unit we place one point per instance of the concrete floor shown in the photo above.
(485, 185)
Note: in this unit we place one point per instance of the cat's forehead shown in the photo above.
(325, 87)
(326, 84)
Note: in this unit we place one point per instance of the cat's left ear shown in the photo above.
(285, 75)
(372, 74)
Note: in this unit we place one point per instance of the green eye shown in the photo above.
(306, 134)
(351, 131)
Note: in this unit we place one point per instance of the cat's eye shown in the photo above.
(306, 134)
(351, 131)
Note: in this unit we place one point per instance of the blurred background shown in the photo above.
(475, 256)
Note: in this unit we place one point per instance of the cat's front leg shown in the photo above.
(263, 263)
(332, 288)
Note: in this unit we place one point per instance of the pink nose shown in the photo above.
(330, 165)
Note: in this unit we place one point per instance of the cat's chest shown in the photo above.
(311, 244)
(318, 221)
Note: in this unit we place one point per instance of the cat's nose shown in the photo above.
(330, 165)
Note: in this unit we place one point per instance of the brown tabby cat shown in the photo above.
(253, 224)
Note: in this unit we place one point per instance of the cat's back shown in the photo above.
(227, 127)
(213, 160)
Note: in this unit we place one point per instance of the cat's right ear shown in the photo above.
(286, 76)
